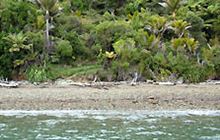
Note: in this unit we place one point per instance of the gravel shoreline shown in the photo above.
(117, 97)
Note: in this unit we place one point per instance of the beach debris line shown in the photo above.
(166, 83)
(7, 84)
(66, 83)
(97, 84)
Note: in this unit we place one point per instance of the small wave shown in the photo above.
(3, 136)
(51, 122)
(53, 137)
(212, 128)
(210, 137)
(105, 114)
(155, 133)
(71, 131)
(2, 125)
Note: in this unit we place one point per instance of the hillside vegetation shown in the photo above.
(113, 40)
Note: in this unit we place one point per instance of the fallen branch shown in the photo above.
(94, 84)
(9, 85)
(165, 83)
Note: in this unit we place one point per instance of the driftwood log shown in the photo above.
(8, 84)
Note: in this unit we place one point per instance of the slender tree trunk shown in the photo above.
(47, 39)
(47, 31)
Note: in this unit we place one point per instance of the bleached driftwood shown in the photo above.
(165, 83)
(8, 85)
(213, 82)
(94, 84)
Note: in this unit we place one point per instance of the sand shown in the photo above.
(118, 97)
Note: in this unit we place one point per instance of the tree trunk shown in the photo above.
(47, 39)
(47, 31)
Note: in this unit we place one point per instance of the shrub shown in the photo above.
(189, 69)
(14, 21)
(197, 25)
(36, 74)
(108, 32)
(64, 49)
(37, 39)
(211, 56)
(215, 60)
(5, 60)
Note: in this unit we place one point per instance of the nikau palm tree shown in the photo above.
(50, 8)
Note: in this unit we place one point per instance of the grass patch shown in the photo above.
(64, 71)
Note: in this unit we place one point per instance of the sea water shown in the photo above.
(112, 125)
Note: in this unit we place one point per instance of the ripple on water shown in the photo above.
(189, 121)
(217, 137)
(2, 136)
(135, 129)
(115, 137)
(51, 137)
(104, 131)
(2, 126)
(54, 137)
(72, 131)
(50, 123)
(155, 133)
(212, 128)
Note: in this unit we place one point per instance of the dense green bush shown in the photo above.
(13, 21)
(64, 49)
(188, 69)
(36, 74)
(211, 57)
(6, 64)
(160, 40)
(63, 52)
(18, 52)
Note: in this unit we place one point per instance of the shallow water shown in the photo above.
(68, 125)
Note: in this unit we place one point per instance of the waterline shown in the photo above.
(78, 113)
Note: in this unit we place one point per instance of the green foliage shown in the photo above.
(172, 6)
(110, 31)
(211, 56)
(37, 39)
(125, 51)
(180, 27)
(208, 10)
(49, 5)
(187, 45)
(13, 21)
(17, 42)
(157, 25)
(6, 66)
(67, 23)
(63, 52)
(216, 56)
(70, 28)
(36, 74)
(124, 47)
(133, 6)
(189, 70)
(64, 49)
(154, 38)
(81, 5)
(5, 59)
(146, 41)
(56, 71)
(18, 47)
(197, 25)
